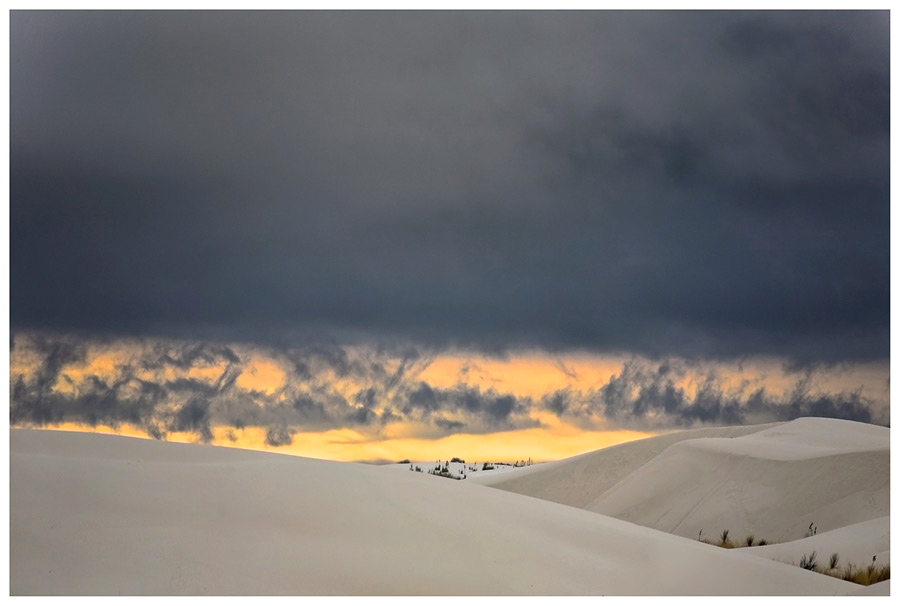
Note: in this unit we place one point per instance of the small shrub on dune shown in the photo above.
(832, 561)
(723, 540)
(808, 561)
(877, 574)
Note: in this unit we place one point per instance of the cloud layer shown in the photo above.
(196, 388)
(707, 185)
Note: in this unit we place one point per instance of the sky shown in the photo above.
(505, 235)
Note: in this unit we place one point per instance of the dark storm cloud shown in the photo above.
(54, 354)
(194, 417)
(448, 425)
(665, 183)
(644, 396)
(143, 393)
(191, 386)
(484, 410)
(140, 392)
(95, 401)
(190, 356)
(279, 436)
(310, 362)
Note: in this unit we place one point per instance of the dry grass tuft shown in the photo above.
(724, 542)
(861, 575)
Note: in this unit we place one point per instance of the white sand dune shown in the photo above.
(579, 481)
(95, 514)
(771, 484)
(770, 481)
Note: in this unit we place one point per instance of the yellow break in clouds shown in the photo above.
(538, 444)
(524, 375)
(262, 374)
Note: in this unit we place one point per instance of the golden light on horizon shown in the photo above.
(348, 445)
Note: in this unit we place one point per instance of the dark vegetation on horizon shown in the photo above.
(443, 469)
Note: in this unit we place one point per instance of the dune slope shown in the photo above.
(578, 481)
(93, 514)
(771, 481)
(772, 484)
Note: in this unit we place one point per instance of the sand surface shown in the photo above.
(771, 484)
(882, 588)
(770, 481)
(96, 514)
(579, 481)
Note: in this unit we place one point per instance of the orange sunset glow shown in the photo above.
(544, 444)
